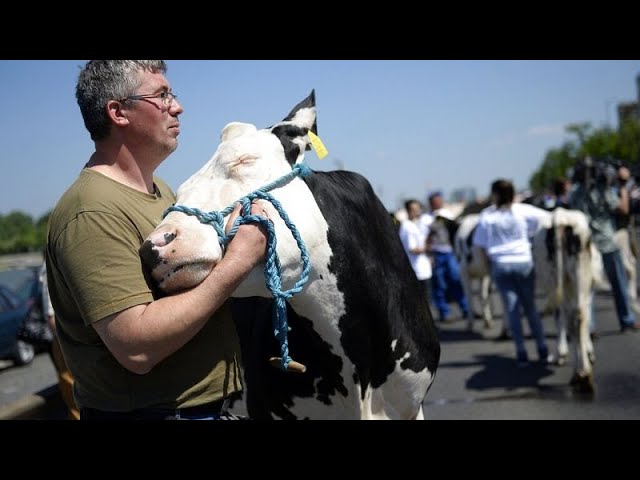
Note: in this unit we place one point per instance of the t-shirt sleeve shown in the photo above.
(102, 265)
(480, 235)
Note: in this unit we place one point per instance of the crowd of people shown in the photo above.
(504, 235)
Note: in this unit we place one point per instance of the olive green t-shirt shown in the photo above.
(94, 270)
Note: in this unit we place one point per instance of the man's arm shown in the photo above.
(142, 336)
(623, 178)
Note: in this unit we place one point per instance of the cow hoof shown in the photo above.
(293, 366)
(582, 383)
(562, 360)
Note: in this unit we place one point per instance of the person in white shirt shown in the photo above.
(413, 234)
(503, 233)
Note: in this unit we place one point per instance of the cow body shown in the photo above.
(568, 267)
(360, 325)
(474, 267)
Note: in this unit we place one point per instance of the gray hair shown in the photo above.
(103, 80)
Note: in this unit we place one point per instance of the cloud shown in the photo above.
(510, 139)
(543, 130)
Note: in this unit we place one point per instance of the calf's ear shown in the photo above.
(292, 130)
(235, 129)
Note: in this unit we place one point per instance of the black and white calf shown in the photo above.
(361, 325)
(568, 266)
(474, 267)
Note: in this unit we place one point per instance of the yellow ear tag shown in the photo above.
(317, 145)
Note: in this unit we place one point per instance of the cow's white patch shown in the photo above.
(398, 397)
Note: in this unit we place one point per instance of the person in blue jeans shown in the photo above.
(446, 271)
(503, 234)
(597, 196)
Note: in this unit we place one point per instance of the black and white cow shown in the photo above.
(565, 280)
(568, 267)
(361, 325)
(474, 267)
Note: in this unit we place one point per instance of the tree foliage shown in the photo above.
(622, 144)
(20, 233)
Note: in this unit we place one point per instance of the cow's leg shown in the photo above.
(485, 299)
(582, 380)
(420, 414)
(563, 344)
(465, 278)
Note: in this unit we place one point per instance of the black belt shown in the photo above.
(212, 408)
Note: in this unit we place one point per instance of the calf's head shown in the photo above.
(181, 251)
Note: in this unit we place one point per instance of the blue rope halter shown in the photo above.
(272, 270)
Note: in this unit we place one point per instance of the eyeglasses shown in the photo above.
(166, 97)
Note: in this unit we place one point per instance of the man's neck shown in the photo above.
(120, 165)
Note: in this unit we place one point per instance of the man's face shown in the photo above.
(414, 210)
(436, 202)
(153, 125)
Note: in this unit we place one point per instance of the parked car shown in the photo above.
(20, 308)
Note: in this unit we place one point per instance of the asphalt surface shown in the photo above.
(478, 377)
(16, 382)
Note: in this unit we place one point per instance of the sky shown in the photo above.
(410, 127)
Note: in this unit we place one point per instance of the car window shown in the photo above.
(8, 299)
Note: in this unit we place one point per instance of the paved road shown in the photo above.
(16, 382)
(478, 377)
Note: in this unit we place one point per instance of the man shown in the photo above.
(503, 233)
(133, 354)
(446, 272)
(600, 202)
(413, 234)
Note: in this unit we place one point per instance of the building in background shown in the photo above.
(630, 109)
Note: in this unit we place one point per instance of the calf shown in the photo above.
(473, 266)
(567, 281)
(361, 324)
(567, 269)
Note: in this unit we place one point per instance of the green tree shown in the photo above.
(622, 144)
(19, 233)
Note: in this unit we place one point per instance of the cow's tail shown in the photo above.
(558, 232)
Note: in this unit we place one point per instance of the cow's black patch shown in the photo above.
(383, 298)
(383, 302)
(572, 243)
(270, 391)
(286, 133)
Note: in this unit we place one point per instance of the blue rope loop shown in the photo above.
(272, 267)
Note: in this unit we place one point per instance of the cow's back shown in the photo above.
(385, 330)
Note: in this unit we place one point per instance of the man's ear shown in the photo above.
(116, 113)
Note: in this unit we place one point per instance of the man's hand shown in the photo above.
(251, 239)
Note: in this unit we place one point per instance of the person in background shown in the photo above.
(624, 238)
(65, 379)
(446, 272)
(135, 354)
(596, 197)
(504, 233)
(413, 235)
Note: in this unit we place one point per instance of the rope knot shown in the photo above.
(272, 268)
